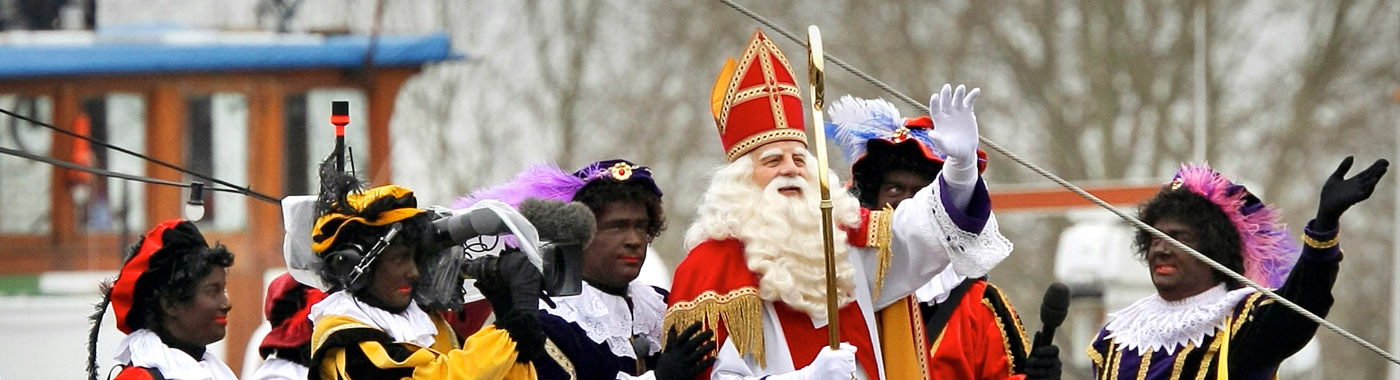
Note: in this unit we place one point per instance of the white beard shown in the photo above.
(782, 235)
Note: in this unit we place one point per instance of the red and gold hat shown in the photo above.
(756, 100)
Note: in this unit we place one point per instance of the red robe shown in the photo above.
(982, 340)
(722, 292)
(135, 373)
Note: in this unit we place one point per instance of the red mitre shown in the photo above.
(757, 102)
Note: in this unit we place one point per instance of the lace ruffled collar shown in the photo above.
(1152, 323)
(413, 325)
(143, 348)
(605, 317)
(937, 290)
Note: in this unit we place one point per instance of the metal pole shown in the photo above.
(1393, 372)
(816, 74)
(1198, 145)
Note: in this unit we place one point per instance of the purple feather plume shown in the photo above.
(1269, 252)
(544, 181)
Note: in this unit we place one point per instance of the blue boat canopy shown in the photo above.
(95, 54)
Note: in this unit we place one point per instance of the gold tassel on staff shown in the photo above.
(816, 73)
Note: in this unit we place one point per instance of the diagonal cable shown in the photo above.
(240, 189)
(1081, 192)
(104, 172)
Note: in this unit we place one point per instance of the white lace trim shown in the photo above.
(937, 290)
(413, 325)
(1152, 323)
(971, 255)
(605, 318)
(143, 348)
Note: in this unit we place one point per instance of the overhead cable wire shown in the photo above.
(104, 172)
(1081, 192)
(239, 189)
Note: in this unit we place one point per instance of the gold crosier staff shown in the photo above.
(816, 74)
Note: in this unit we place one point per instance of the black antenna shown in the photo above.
(340, 116)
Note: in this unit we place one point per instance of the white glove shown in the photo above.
(955, 134)
(830, 364)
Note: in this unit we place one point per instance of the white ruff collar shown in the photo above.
(605, 318)
(1152, 323)
(413, 325)
(143, 348)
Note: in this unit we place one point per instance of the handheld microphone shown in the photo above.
(1052, 313)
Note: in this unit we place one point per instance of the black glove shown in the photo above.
(1339, 194)
(1043, 363)
(686, 355)
(513, 289)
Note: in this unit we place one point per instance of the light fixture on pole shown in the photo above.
(194, 208)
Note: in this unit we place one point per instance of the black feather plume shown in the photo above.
(96, 319)
(336, 185)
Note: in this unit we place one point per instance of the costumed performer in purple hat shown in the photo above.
(612, 329)
(1203, 324)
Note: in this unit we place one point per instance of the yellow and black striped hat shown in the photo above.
(369, 209)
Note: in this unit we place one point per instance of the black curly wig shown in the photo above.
(868, 174)
(598, 194)
(1216, 236)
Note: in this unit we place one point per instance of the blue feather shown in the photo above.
(855, 121)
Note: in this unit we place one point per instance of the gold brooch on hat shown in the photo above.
(621, 171)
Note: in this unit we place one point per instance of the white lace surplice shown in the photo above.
(605, 317)
(1152, 323)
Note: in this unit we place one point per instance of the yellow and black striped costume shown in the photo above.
(347, 349)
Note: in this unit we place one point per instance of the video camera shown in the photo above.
(550, 234)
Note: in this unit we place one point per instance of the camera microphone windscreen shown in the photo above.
(559, 222)
(565, 229)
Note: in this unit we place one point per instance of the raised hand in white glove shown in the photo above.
(955, 134)
(830, 364)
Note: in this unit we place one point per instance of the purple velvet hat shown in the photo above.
(548, 181)
(1268, 251)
